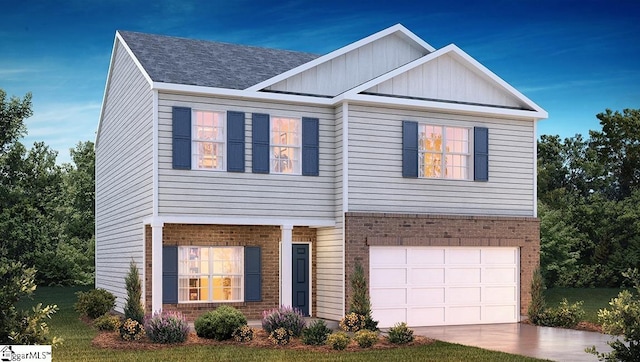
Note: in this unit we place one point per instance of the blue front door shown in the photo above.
(300, 268)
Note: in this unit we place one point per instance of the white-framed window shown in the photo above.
(285, 152)
(443, 152)
(208, 139)
(210, 274)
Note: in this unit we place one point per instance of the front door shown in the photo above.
(300, 271)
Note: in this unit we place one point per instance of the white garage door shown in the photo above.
(428, 286)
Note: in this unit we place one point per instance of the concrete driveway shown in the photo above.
(555, 344)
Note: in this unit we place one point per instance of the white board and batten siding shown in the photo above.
(353, 68)
(446, 78)
(233, 194)
(429, 286)
(375, 167)
(124, 174)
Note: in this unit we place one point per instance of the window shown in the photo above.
(210, 274)
(443, 152)
(208, 140)
(285, 147)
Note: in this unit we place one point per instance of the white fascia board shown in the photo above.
(458, 108)
(538, 112)
(221, 220)
(336, 53)
(239, 93)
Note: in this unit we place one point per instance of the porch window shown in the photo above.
(210, 274)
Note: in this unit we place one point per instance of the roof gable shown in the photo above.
(448, 75)
(349, 66)
(210, 64)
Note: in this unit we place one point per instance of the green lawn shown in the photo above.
(593, 299)
(77, 344)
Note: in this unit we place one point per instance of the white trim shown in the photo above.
(286, 272)
(345, 157)
(481, 70)
(535, 169)
(135, 60)
(156, 266)
(221, 220)
(398, 28)
(156, 175)
(310, 272)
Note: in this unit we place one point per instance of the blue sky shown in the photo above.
(573, 58)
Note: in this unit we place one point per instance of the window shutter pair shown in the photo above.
(410, 151)
(181, 123)
(252, 274)
(310, 145)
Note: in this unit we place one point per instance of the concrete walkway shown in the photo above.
(557, 344)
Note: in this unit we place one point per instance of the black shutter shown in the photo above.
(182, 138)
(409, 149)
(260, 143)
(481, 154)
(169, 274)
(252, 274)
(235, 141)
(310, 147)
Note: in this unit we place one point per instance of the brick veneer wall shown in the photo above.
(266, 237)
(370, 229)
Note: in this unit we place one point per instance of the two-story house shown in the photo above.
(258, 177)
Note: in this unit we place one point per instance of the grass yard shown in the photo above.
(593, 299)
(77, 344)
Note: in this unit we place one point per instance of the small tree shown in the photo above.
(360, 302)
(133, 308)
(538, 305)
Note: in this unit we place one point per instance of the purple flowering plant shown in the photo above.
(166, 327)
(291, 319)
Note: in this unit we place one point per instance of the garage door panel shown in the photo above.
(385, 297)
(463, 315)
(426, 296)
(463, 295)
(389, 317)
(500, 275)
(426, 276)
(463, 256)
(389, 256)
(496, 314)
(457, 275)
(423, 256)
(499, 294)
(492, 256)
(385, 277)
(426, 316)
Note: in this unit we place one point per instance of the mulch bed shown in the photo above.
(112, 340)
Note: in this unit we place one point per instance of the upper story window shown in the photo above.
(285, 153)
(209, 140)
(210, 274)
(443, 152)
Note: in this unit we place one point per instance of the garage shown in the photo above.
(429, 286)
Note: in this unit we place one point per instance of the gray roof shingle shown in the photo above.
(209, 64)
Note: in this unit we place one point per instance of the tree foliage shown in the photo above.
(133, 308)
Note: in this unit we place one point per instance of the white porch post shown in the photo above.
(286, 275)
(156, 266)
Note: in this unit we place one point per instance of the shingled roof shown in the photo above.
(210, 64)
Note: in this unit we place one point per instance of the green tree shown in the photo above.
(360, 302)
(12, 115)
(133, 306)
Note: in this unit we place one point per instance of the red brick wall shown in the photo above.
(266, 237)
(366, 229)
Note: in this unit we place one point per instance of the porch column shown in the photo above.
(156, 266)
(286, 275)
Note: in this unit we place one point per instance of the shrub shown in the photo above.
(365, 338)
(400, 334)
(220, 323)
(167, 327)
(565, 315)
(338, 340)
(360, 302)
(352, 322)
(94, 303)
(243, 334)
(107, 322)
(537, 305)
(133, 306)
(131, 330)
(316, 334)
(288, 318)
(280, 336)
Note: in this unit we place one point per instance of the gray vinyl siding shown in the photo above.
(233, 194)
(375, 167)
(124, 174)
(353, 68)
(446, 78)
